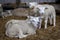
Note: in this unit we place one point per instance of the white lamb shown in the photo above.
(7, 13)
(45, 11)
(32, 4)
(19, 28)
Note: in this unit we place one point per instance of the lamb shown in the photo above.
(4, 14)
(32, 4)
(45, 11)
(7, 13)
(20, 12)
(19, 28)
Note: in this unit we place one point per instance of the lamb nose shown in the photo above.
(38, 25)
(38, 22)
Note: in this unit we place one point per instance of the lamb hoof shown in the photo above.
(23, 36)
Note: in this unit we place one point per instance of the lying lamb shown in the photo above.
(45, 11)
(7, 13)
(20, 28)
(20, 12)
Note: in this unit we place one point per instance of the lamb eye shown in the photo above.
(46, 8)
(33, 20)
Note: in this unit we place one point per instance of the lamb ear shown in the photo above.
(27, 16)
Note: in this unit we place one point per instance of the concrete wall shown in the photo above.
(23, 1)
(7, 1)
(38, 1)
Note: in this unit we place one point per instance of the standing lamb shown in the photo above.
(45, 11)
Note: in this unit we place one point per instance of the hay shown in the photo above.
(51, 33)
